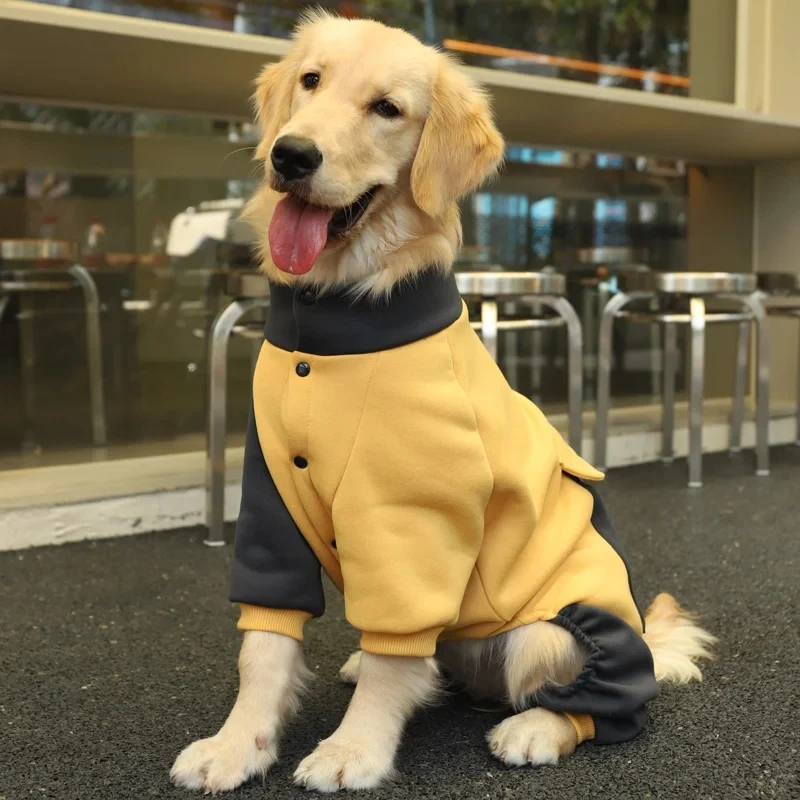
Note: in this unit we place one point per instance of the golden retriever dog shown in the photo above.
(476, 549)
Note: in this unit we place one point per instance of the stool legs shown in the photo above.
(564, 309)
(610, 310)
(739, 387)
(94, 353)
(27, 359)
(511, 351)
(797, 431)
(670, 352)
(756, 305)
(489, 327)
(697, 311)
(217, 408)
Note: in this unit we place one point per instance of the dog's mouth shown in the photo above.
(299, 231)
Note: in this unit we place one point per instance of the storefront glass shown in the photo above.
(637, 44)
(116, 185)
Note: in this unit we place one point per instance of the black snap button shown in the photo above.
(302, 369)
(333, 544)
(300, 462)
(308, 296)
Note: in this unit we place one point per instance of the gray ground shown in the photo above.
(116, 654)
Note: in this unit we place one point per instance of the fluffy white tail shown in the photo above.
(676, 641)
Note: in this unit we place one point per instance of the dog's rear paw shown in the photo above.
(338, 765)
(349, 672)
(533, 737)
(223, 762)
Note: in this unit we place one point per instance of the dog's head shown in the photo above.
(368, 138)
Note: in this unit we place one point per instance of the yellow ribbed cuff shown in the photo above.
(583, 724)
(275, 620)
(420, 645)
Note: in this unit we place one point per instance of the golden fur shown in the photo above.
(444, 145)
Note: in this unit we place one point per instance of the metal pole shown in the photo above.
(668, 397)
(217, 408)
(739, 387)
(94, 352)
(564, 309)
(697, 311)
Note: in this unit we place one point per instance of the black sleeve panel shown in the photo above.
(617, 680)
(273, 565)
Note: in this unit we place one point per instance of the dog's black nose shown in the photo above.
(294, 158)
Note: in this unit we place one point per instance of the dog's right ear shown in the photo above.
(273, 101)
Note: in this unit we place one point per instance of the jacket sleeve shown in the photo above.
(409, 512)
(276, 578)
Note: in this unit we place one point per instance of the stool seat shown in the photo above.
(785, 283)
(693, 284)
(36, 250)
(510, 284)
(247, 285)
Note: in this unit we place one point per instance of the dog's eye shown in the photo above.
(310, 80)
(386, 109)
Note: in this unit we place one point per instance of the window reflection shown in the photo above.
(636, 44)
(117, 184)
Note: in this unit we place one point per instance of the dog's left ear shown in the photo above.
(273, 101)
(460, 146)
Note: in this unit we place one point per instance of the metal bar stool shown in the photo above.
(28, 266)
(532, 289)
(249, 290)
(693, 288)
(772, 285)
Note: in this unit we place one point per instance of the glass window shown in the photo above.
(589, 216)
(120, 185)
(637, 44)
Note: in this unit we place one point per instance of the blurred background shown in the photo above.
(108, 180)
(656, 135)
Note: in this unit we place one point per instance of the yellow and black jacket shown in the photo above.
(386, 447)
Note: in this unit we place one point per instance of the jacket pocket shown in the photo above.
(573, 464)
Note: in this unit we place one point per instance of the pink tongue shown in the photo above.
(297, 234)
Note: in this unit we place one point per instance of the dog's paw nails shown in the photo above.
(220, 764)
(342, 765)
(535, 737)
(349, 672)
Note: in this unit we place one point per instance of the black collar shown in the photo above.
(334, 324)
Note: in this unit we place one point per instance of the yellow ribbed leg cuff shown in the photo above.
(275, 620)
(583, 724)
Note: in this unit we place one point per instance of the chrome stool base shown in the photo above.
(227, 322)
(533, 289)
(695, 287)
(772, 285)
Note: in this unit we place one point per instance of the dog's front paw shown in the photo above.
(337, 764)
(350, 669)
(533, 737)
(223, 762)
